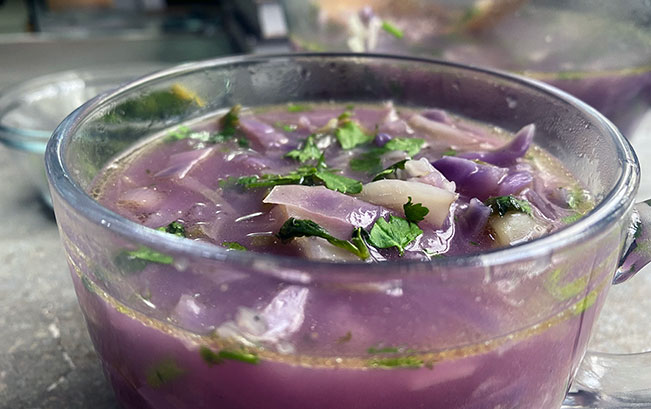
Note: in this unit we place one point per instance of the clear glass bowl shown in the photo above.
(31, 110)
(213, 328)
(597, 50)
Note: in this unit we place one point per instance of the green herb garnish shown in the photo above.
(233, 245)
(339, 183)
(298, 108)
(410, 145)
(384, 350)
(414, 212)
(391, 170)
(504, 204)
(147, 254)
(572, 218)
(163, 373)
(176, 228)
(397, 232)
(350, 135)
(308, 151)
(293, 228)
(449, 152)
(368, 162)
(286, 127)
(397, 362)
(392, 29)
(216, 358)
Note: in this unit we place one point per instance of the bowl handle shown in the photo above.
(619, 381)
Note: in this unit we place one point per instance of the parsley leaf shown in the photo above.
(414, 212)
(176, 228)
(396, 362)
(410, 145)
(233, 245)
(392, 29)
(147, 254)
(390, 170)
(397, 232)
(339, 183)
(293, 228)
(504, 204)
(309, 151)
(298, 108)
(449, 152)
(368, 162)
(350, 135)
(230, 121)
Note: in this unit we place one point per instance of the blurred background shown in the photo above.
(599, 50)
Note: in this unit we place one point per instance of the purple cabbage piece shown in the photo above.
(472, 220)
(381, 139)
(262, 135)
(180, 164)
(509, 153)
(437, 115)
(514, 183)
(472, 179)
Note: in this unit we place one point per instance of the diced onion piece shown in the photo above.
(438, 133)
(422, 171)
(514, 228)
(394, 193)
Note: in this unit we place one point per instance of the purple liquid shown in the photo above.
(211, 335)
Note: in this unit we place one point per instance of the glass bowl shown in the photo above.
(31, 110)
(599, 51)
(216, 328)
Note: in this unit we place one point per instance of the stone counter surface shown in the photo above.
(46, 358)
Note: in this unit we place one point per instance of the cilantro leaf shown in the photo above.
(392, 29)
(286, 127)
(390, 170)
(397, 362)
(309, 151)
(410, 145)
(298, 108)
(176, 228)
(397, 232)
(339, 183)
(147, 254)
(414, 212)
(269, 180)
(230, 121)
(504, 204)
(293, 228)
(350, 135)
(368, 162)
(449, 152)
(163, 373)
(233, 245)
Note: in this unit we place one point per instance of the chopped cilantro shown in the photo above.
(392, 29)
(233, 245)
(473, 243)
(163, 373)
(230, 121)
(385, 350)
(305, 175)
(572, 218)
(293, 228)
(350, 135)
(210, 356)
(397, 362)
(504, 204)
(286, 127)
(410, 145)
(176, 228)
(368, 162)
(241, 356)
(182, 132)
(339, 183)
(298, 108)
(147, 254)
(449, 152)
(308, 151)
(414, 212)
(390, 170)
(216, 358)
(397, 232)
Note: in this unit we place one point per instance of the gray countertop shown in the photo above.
(46, 358)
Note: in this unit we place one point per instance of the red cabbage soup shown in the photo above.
(342, 184)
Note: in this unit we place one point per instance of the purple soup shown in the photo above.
(343, 184)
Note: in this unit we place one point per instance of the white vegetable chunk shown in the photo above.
(422, 171)
(514, 228)
(394, 193)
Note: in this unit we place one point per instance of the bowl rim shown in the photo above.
(615, 204)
